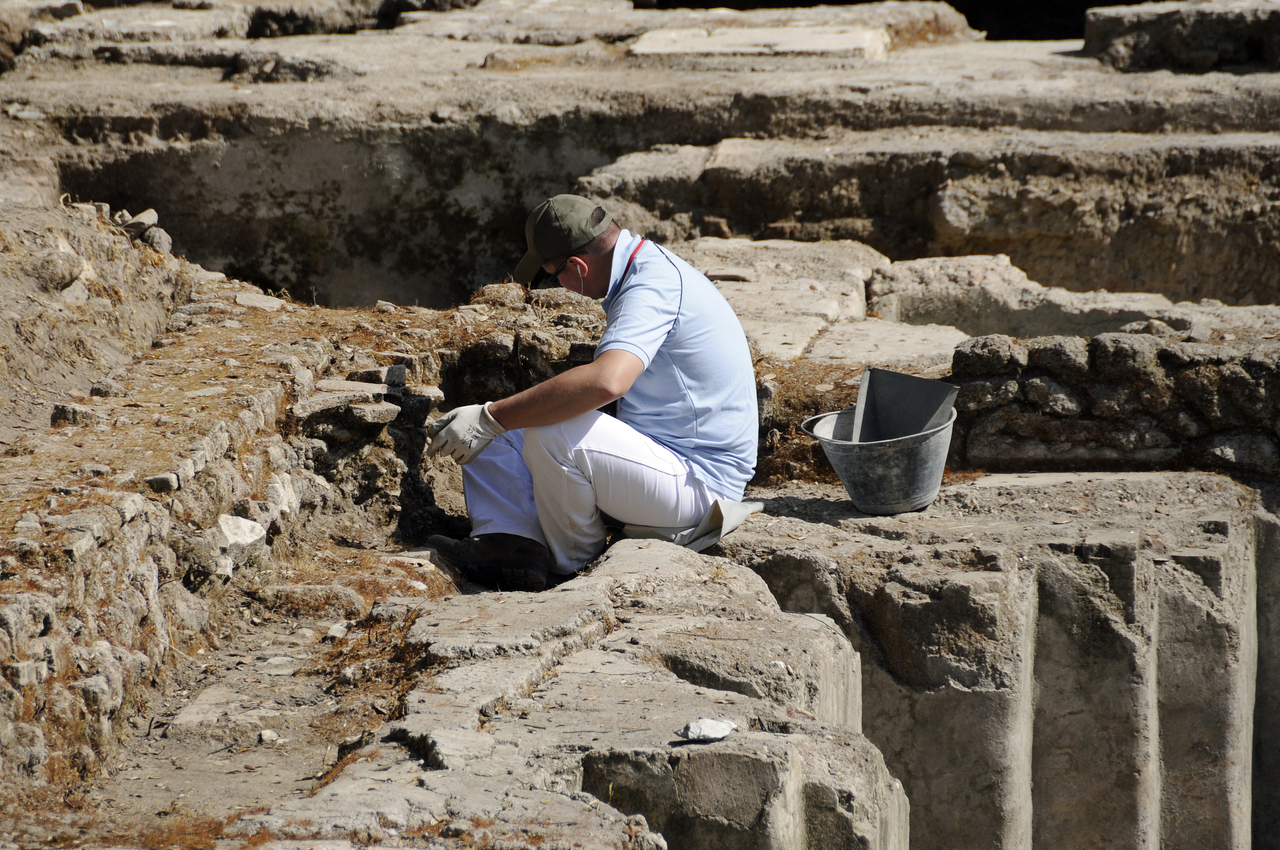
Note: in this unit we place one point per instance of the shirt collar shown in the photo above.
(622, 249)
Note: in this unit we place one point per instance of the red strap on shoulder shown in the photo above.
(632, 257)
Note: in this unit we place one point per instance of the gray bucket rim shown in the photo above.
(804, 426)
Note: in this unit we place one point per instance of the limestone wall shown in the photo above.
(1131, 400)
(1053, 660)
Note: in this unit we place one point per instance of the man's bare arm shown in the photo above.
(572, 393)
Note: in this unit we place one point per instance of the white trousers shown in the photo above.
(551, 483)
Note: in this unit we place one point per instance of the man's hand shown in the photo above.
(464, 433)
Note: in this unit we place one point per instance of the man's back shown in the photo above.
(697, 393)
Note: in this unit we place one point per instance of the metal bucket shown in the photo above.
(884, 476)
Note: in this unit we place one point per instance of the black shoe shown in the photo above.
(504, 561)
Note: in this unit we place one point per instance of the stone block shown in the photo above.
(392, 376)
(374, 413)
(987, 356)
(1067, 357)
(1125, 358)
(75, 414)
(258, 301)
(1052, 397)
(164, 482)
(186, 472)
(1185, 36)
(1095, 745)
(333, 385)
(237, 539)
(325, 401)
(418, 367)
(983, 395)
(1208, 645)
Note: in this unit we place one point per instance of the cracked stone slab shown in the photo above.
(854, 42)
(486, 626)
(887, 344)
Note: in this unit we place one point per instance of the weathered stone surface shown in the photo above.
(267, 303)
(890, 346)
(324, 401)
(988, 355)
(238, 539)
(332, 385)
(376, 413)
(988, 295)
(1132, 399)
(314, 599)
(392, 376)
(1185, 36)
(1036, 638)
(854, 42)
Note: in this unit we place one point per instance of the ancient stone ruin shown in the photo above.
(249, 249)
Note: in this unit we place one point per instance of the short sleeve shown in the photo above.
(641, 315)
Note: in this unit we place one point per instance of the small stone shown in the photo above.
(140, 222)
(337, 631)
(157, 239)
(268, 736)
(384, 307)
(95, 469)
(259, 302)
(162, 483)
(377, 413)
(107, 388)
(74, 414)
(706, 730)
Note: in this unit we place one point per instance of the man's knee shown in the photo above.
(559, 439)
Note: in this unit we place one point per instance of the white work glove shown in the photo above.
(464, 433)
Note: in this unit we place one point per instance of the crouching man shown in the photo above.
(542, 466)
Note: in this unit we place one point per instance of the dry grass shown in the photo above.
(175, 828)
(376, 576)
(335, 770)
(952, 476)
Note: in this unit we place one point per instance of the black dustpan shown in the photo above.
(893, 405)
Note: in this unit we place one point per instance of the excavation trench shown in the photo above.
(425, 214)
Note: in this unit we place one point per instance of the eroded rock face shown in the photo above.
(1185, 36)
(1068, 218)
(1064, 648)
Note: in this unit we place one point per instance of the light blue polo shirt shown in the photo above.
(697, 394)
